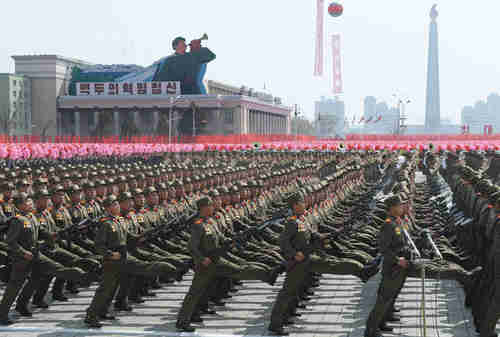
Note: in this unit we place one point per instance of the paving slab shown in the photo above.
(339, 307)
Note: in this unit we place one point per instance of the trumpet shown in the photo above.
(203, 38)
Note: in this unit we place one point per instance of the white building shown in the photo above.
(15, 104)
(329, 116)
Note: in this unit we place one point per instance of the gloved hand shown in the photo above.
(195, 45)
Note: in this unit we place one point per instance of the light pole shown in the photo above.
(193, 108)
(173, 100)
(297, 113)
(401, 104)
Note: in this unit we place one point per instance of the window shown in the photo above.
(14, 93)
(228, 115)
(14, 83)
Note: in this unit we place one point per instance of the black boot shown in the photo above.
(278, 331)
(184, 327)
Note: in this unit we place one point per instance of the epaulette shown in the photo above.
(293, 217)
(388, 220)
(198, 221)
(106, 218)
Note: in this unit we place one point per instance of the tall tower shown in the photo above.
(432, 105)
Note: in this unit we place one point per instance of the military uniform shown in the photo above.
(205, 240)
(22, 237)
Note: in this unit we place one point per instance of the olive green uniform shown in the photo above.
(22, 237)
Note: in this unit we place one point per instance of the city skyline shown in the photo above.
(384, 47)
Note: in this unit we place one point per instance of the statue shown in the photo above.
(434, 13)
(186, 67)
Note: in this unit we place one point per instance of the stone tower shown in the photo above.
(432, 105)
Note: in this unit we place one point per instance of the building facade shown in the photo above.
(50, 76)
(482, 114)
(226, 110)
(329, 117)
(15, 104)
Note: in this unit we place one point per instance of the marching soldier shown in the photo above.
(22, 237)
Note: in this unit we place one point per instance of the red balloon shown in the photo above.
(335, 9)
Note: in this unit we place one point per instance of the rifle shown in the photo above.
(82, 226)
(4, 225)
(311, 248)
(167, 228)
(238, 240)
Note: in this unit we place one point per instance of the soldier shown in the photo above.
(53, 250)
(297, 242)
(205, 241)
(491, 303)
(111, 243)
(22, 237)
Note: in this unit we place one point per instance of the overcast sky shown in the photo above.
(384, 43)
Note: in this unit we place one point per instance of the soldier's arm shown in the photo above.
(203, 55)
(102, 239)
(385, 243)
(496, 252)
(195, 241)
(13, 234)
(286, 240)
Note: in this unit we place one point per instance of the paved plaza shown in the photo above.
(338, 308)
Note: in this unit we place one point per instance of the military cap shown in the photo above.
(125, 196)
(109, 200)
(20, 198)
(150, 189)
(137, 191)
(58, 188)
(11, 175)
(122, 179)
(223, 190)
(101, 182)
(213, 193)
(74, 188)
(161, 186)
(23, 182)
(88, 185)
(7, 186)
(40, 181)
(392, 201)
(203, 201)
(42, 193)
(295, 198)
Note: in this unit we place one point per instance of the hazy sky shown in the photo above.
(384, 43)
